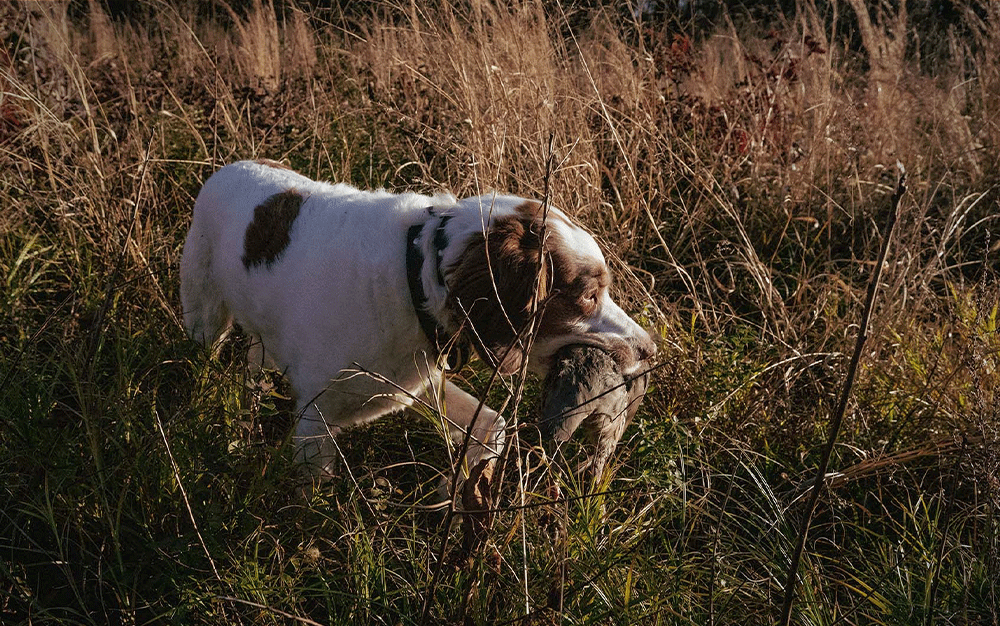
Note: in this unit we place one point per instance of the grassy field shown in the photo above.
(737, 166)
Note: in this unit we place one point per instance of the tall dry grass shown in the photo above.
(737, 173)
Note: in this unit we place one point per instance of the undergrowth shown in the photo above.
(736, 163)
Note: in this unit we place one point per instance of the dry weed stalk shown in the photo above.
(845, 394)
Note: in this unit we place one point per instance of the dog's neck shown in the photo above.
(425, 245)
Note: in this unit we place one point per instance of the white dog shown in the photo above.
(362, 297)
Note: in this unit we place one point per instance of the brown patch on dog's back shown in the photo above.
(267, 235)
(269, 163)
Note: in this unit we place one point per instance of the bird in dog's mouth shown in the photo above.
(585, 388)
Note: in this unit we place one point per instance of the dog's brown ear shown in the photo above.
(493, 285)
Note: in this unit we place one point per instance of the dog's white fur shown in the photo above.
(333, 301)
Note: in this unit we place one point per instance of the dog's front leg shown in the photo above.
(484, 429)
(487, 428)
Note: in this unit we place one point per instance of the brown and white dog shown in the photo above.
(339, 284)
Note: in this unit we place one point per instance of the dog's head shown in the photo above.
(526, 281)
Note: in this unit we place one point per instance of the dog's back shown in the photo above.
(270, 247)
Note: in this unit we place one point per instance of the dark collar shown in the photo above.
(455, 348)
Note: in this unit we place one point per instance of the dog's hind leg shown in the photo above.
(315, 449)
(206, 318)
(209, 326)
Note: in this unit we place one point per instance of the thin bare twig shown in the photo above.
(184, 496)
(845, 394)
(264, 607)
